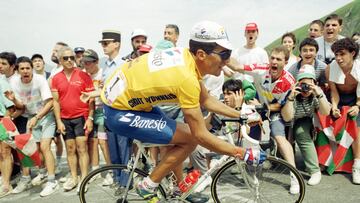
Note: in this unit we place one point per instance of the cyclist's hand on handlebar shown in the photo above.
(254, 156)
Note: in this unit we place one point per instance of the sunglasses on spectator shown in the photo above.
(66, 58)
(224, 55)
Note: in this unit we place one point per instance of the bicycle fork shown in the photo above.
(250, 173)
(132, 167)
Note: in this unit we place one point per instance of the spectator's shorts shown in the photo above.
(74, 127)
(44, 128)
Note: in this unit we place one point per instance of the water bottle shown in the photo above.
(189, 180)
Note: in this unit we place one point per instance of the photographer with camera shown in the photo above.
(303, 101)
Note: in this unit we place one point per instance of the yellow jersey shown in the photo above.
(167, 76)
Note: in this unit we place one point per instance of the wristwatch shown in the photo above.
(238, 108)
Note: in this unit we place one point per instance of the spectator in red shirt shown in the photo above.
(73, 117)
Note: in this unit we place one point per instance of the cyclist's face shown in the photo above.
(214, 61)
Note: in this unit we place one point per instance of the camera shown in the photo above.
(304, 87)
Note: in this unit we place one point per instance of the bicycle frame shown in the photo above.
(224, 159)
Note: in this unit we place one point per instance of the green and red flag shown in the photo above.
(24, 144)
(334, 139)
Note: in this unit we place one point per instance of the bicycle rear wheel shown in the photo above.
(91, 189)
(267, 183)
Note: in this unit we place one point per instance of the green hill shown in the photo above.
(351, 23)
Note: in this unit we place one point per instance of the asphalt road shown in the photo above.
(335, 188)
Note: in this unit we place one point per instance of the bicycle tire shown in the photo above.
(273, 178)
(88, 193)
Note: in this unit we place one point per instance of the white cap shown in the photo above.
(207, 31)
(306, 71)
(138, 32)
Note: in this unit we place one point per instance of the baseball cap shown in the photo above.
(79, 49)
(90, 56)
(208, 31)
(145, 48)
(138, 32)
(306, 71)
(37, 56)
(251, 26)
(111, 35)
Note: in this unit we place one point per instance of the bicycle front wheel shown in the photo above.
(93, 190)
(267, 183)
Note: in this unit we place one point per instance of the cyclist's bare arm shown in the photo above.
(198, 129)
(214, 105)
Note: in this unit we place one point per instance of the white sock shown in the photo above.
(42, 171)
(356, 163)
(150, 183)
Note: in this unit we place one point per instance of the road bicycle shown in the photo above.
(269, 182)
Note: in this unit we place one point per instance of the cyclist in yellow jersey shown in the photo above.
(172, 76)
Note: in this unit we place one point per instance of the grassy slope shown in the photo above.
(351, 23)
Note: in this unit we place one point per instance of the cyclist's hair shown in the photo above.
(345, 44)
(334, 17)
(318, 22)
(291, 35)
(173, 26)
(232, 85)
(23, 59)
(205, 46)
(282, 49)
(9, 56)
(309, 41)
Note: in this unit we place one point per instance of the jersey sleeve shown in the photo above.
(256, 70)
(189, 93)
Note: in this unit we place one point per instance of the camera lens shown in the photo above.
(304, 87)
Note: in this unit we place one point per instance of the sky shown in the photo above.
(34, 26)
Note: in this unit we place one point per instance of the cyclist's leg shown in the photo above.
(184, 145)
(154, 127)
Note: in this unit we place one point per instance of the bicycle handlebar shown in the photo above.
(242, 120)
